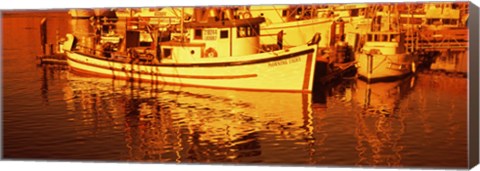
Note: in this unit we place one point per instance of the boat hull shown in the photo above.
(385, 67)
(289, 70)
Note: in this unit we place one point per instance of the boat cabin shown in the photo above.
(221, 34)
(386, 42)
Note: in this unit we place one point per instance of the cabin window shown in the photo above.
(450, 21)
(383, 38)
(354, 12)
(223, 34)
(167, 53)
(369, 37)
(376, 38)
(394, 38)
(284, 13)
(410, 20)
(386, 38)
(433, 21)
(361, 12)
(247, 31)
(198, 34)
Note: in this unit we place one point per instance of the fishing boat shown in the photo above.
(384, 56)
(216, 50)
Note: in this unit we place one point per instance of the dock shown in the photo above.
(445, 49)
(54, 59)
(51, 53)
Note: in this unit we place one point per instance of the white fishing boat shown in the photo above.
(384, 56)
(219, 51)
(291, 25)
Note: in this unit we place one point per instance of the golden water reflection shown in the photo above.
(350, 123)
(179, 124)
(381, 124)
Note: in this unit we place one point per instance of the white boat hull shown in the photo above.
(385, 66)
(290, 70)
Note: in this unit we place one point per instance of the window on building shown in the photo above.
(223, 34)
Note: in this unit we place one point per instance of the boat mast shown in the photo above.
(181, 25)
(389, 20)
(397, 17)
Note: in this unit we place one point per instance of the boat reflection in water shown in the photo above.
(381, 124)
(186, 124)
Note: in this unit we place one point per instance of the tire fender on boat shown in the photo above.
(246, 15)
(210, 52)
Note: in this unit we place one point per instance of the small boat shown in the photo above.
(218, 51)
(384, 56)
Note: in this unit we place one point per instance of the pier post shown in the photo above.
(43, 35)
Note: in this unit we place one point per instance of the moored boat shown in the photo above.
(384, 56)
(218, 51)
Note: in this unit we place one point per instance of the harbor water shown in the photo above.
(52, 114)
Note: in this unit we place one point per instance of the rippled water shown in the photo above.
(49, 113)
